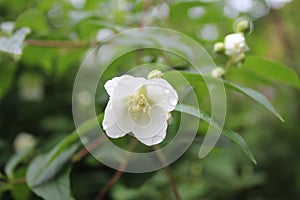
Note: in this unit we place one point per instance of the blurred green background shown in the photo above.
(36, 89)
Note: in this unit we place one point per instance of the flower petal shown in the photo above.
(158, 118)
(121, 116)
(127, 85)
(110, 127)
(161, 93)
(110, 85)
(158, 138)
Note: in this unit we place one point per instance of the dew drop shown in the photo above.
(85, 98)
(167, 91)
(173, 101)
(126, 81)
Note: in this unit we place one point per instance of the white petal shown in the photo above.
(124, 84)
(127, 86)
(121, 115)
(158, 118)
(161, 93)
(111, 84)
(158, 138)
(143, 121)
(110, 127)
(114, 131)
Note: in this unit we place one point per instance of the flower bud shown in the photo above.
(219, 47)
(217, 72)
(154, 74)
(24, 141)
(235, 44)
(242, 26)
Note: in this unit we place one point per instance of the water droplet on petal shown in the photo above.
(167, 91)
(173, 101)
(126, 81)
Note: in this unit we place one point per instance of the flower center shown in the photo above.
(138, 105)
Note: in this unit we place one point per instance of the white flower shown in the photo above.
(277, 4)
(24, 141)
(139, 106)
(235, 44)
(217, 72)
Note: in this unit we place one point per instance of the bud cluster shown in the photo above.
(234, 46)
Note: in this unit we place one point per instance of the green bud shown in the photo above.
(242, 26)
(219, 47)
(155, 74)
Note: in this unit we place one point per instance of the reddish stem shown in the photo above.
(59, 44)
(116, 175)
(168, 173)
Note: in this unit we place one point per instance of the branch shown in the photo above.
(86, 150)
(173, 182)
(168, 173)
(116, 175)
(19, 181)
(60, 44)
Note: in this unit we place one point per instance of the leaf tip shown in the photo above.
(254, 161)
(280, 118)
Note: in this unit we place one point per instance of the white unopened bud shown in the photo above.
(235, 44)
(217, 72)
(24, 141)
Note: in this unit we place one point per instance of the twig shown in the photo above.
(228, 65)
(19, 181)
(173, 182)
(168, 173)
(116, 175)
(59, 44)
(86, 150)
(15, 181)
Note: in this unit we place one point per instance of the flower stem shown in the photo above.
(228, 65)
(85, 151)
(21, 180)
(116, 175)
(168, 173)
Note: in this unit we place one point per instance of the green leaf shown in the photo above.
(43, 175)
(1, 176)
(7, 72)
(256, 96)
(56, 189)
(235, 137)
(272, 71)
(34, 19)
(15, 160)
(45, 167)
(14, 44)
(20, 191)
